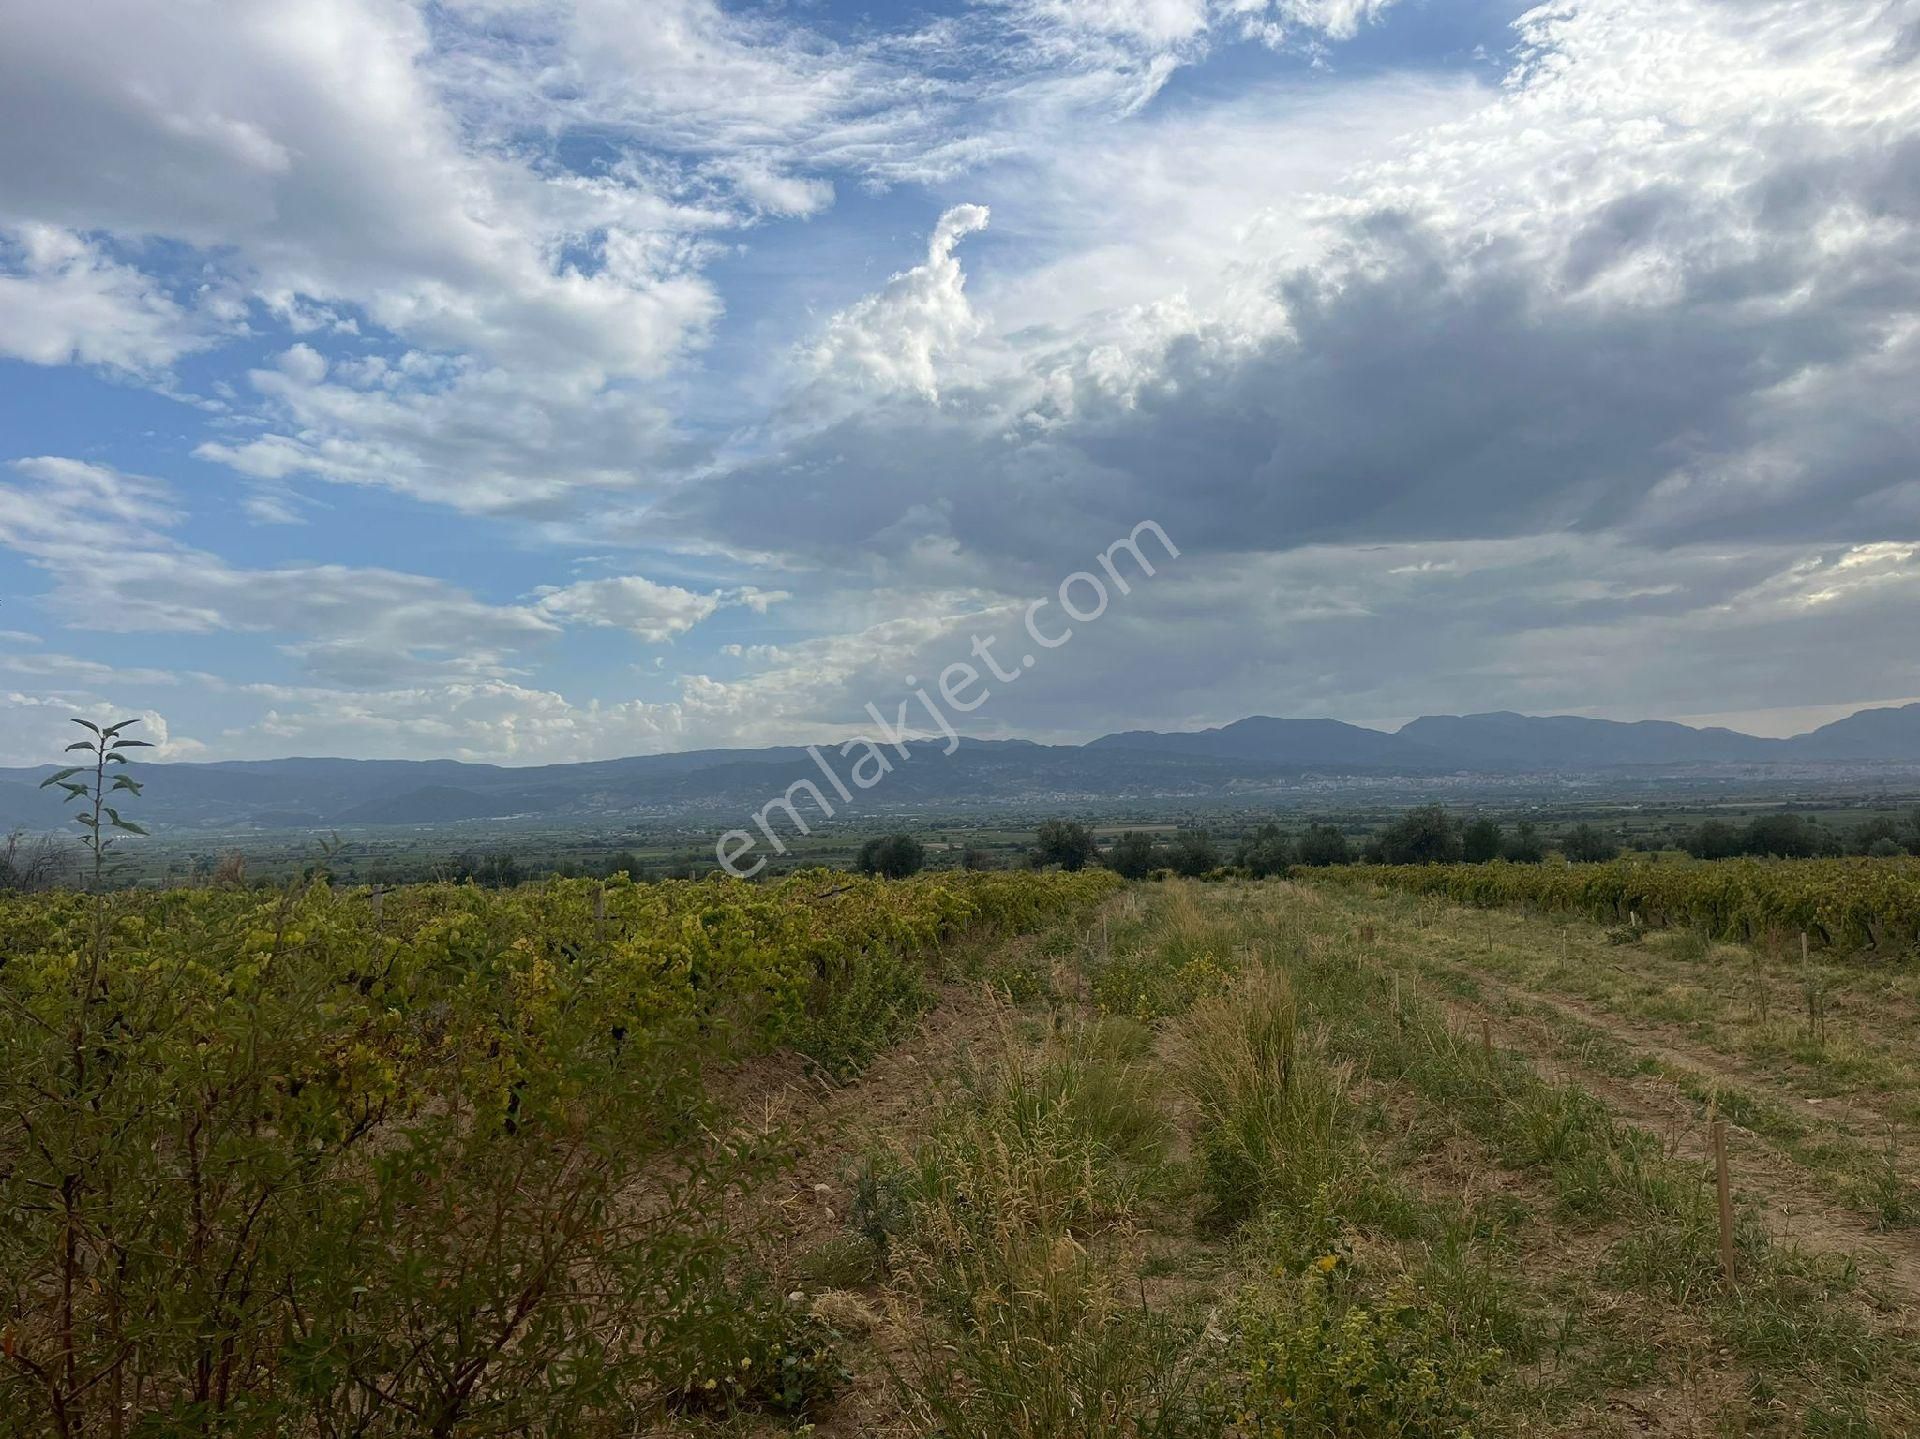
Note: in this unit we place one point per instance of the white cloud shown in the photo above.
(102, 537)
(35, 728)
(895, 339)
(494, 722)
(477, 438)
(308, 136)
(654, 612)
(63, 301)
(75, 670)
(1461, 390)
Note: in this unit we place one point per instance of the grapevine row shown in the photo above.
(1847, 905)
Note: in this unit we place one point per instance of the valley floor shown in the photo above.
(1272, 1159)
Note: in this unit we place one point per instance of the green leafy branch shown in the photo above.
(99, 818)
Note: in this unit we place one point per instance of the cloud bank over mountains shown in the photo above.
(549, 381)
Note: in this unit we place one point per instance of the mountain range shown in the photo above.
(1241, 757)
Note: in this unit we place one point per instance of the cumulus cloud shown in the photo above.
(309, 138)
(1662, 283)
(36, 726)
(1591, 380)
(491, 721)
(654, 612)
(894, 340)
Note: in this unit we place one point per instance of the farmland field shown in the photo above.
(978, 1155)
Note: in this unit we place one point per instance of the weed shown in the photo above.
(1320, 1360)
(743, 1348)
(1271, 1108)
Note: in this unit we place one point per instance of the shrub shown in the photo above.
(1524, 845)
(1583, 844)
(1323, 845)
(1841, 903)
(28, 866)
(892, 856)
(1065, 843)
(1264, 853)
(1131, 856)
(320, 1159)
(743, 1348)
(1192, 853)
(1426, 835)
(1481, 841)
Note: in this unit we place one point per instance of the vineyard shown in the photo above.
(1846, 905)
(439, 1160)
(977, 1155)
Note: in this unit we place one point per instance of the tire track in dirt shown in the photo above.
(1848, 1118)
(1671, 1041)
(1811, 1220)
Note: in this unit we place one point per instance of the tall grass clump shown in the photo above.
(1007, 1202)
(1272, 1109)
(1039, 1149)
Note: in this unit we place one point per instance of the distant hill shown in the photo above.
(1869, 735)
(1138, 765)
(1305, 742)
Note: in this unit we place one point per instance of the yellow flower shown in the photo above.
(1327, 1263)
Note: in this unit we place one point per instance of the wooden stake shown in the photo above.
(1724, 1184)
(1486, 1038)
(1803, 949)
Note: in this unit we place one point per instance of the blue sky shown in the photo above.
(527, 380)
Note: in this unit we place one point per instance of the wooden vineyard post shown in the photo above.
(1486, 1039)
(1813, 989)
(1724, 1185)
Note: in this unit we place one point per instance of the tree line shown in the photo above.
(1793, 836)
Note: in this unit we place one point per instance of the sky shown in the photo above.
(538, 380)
